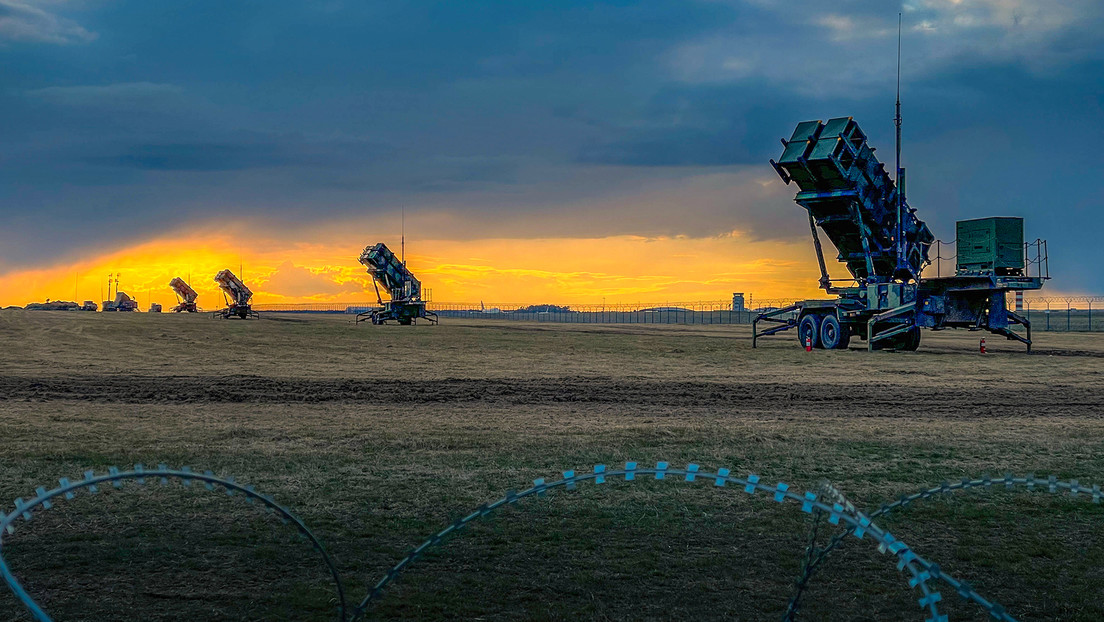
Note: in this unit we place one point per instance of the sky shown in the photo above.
(543, 152)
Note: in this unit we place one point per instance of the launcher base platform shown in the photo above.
(889, 316)
(241, 312)
(404, 313)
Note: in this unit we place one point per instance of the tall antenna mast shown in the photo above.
(402, 229)
(897, 122)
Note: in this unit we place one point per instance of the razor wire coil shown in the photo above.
(826, 503)
(1030, 483)
(66, 489)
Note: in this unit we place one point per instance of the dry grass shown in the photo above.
(378, 436)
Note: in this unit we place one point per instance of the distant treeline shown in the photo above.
(543, 309)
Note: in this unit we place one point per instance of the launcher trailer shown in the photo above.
(237, 297)
(185, 296)
(851, 199)
(406, 305)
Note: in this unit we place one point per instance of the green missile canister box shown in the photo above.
(991, 245)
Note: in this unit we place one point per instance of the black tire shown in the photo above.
(833, 336)
(809, 328)
(911, 340)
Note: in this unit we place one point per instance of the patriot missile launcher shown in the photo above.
(185, 296)
(236, 295)
(851, 199)
(405, 305)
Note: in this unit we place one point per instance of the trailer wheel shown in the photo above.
(809, 329)
(910, 341)
(833, 336)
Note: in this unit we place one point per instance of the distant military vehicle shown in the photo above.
(185, 296)
(122, 302)
(237, 297)
(405, 305)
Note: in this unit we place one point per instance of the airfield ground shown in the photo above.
(379, 436)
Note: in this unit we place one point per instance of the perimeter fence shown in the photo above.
(1066, 314)
(827, 507)
(700, 312)
(1070, 313)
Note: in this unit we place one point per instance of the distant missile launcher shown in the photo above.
(185, 296)
(237, 297)
(405, 305)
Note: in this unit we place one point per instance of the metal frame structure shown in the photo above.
(851, 199)
(405, 305)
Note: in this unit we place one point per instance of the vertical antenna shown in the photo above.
(402, 230)
(897, 122)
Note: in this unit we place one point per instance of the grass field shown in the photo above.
(379, 436)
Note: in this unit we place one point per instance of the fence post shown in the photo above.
(1090, 314)
(1068, 313)
(1048, 315)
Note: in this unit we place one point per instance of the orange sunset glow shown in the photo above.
(626, 269)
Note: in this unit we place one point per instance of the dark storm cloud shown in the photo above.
(246, 152)
(531, 119)
(25, 21)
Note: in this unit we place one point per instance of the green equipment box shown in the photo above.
(991, 245)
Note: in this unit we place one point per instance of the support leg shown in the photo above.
(1012, 335)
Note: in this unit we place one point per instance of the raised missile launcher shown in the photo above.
(185, 296)
(851, 199)
(236, 295)
(405, 305)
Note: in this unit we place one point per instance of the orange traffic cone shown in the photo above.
(982, 345)
(808, 344)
